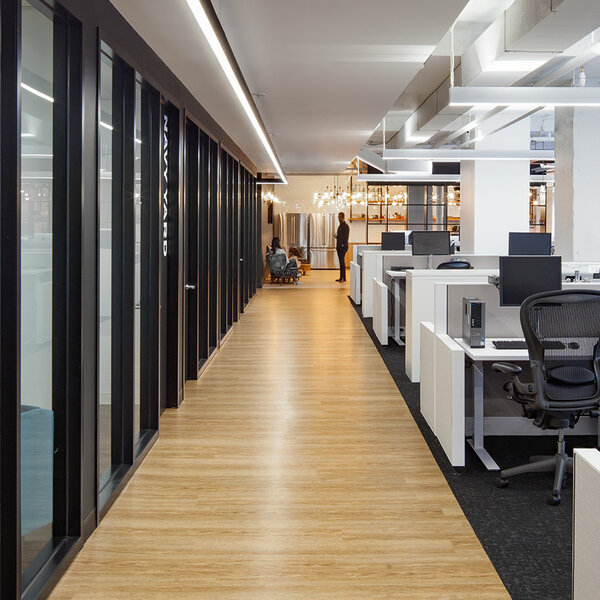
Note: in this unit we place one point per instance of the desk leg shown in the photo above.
(397, 337)
(477, 442)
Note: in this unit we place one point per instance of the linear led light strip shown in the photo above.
(212, 39)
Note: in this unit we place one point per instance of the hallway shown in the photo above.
(293, 470)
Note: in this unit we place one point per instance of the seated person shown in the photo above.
(277, 249)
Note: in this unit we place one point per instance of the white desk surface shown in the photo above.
(396, 274)
(492, 353)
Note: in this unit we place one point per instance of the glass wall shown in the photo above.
(127, 359)
(379, 208)
(105, 258)
(37, 227)
(83, 233)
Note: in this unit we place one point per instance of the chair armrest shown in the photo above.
(507, 368)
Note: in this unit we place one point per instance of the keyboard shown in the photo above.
(522, 345)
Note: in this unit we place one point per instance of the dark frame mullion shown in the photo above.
(192, 249)
(223, 167)
(204, 248)
(151, 242)
(235, 263)
(128, 264)
(122, 263)
(10, 314)
(60, 265)
(214, 204)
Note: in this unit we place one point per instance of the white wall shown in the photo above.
(576, 205)
(495, 194)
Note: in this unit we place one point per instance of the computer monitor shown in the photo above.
(529, 244)
(425, 243)
(393, 240)
(523, 276)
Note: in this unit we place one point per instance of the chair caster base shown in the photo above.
(502, 482)
(553, 499)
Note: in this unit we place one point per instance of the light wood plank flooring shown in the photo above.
(293, 470)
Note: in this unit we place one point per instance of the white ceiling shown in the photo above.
(329, 70)
(170, 30)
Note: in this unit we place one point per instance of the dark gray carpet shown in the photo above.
(528, 541)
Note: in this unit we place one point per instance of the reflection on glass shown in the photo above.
(37, 410)
(138, 260)
(105, 133)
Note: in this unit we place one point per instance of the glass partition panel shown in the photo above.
(37, 402)
(105, 258)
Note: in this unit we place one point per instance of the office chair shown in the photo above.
(566, 382)
(455, 264)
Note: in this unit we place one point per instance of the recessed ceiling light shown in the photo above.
(524, 97)
(514, 66)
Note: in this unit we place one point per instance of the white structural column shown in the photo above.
(576, 204)
(494, 194)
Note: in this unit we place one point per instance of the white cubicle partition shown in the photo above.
(380, 311)
(586, 524)
(420, 306)
(355, 282)
(372, 267)
(449, 424)
(428, 371)
(447, 369)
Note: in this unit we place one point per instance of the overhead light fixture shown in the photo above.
(28, 135)
(408, 178)
(514, 66)
(106, 126)
(37, 93)
(450, 155)
(419, 138)
(524, 97)
(206, 25)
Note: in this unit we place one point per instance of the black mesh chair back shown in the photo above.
(455, 264)
(562, 330)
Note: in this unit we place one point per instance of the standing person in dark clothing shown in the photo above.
(341, 236)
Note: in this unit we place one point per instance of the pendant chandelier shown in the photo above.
(336, 196)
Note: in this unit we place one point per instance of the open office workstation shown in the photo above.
(459, 325)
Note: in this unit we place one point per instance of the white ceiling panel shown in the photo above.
(329, 70)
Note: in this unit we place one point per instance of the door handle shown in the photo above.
(189, 286)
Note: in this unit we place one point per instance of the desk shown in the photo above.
(397, 277)
(479, 356)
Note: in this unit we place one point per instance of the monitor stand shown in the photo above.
(430, 261)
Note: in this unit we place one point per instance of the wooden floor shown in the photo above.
(293, 470)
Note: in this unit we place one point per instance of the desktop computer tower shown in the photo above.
(474, 322)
